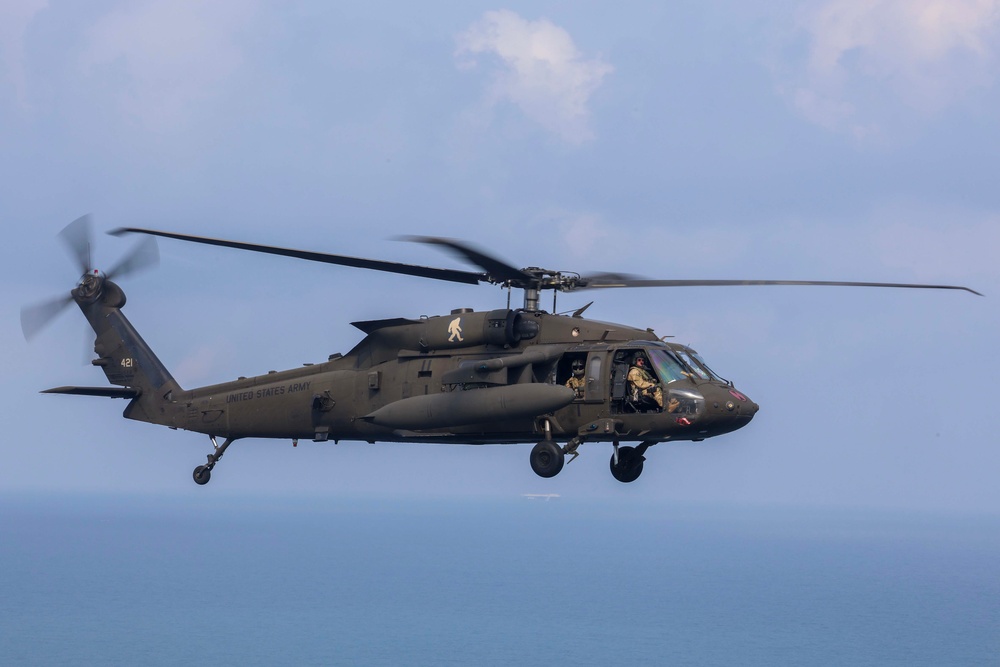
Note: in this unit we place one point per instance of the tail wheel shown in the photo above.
(202, 474)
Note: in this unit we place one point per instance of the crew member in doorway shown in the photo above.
(577, 382)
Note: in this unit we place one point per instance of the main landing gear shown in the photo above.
(547, 459)
(626, 462)
(202, 474)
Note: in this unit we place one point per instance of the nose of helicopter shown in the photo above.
(734, 407)
(744, 406)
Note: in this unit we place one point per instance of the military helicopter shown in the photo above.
(499, 377)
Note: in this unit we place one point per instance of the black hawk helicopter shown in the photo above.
(504, 376)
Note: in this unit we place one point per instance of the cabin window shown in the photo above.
(594, 384)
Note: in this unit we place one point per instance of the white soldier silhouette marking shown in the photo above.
(455, 329)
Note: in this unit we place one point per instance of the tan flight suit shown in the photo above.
(646, 384)
(577, 384)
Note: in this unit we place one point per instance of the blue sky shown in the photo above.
(826, 140)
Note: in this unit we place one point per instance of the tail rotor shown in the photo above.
(77, 237)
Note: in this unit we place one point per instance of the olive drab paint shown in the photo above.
(492, 377)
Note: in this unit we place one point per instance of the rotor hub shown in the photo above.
(90, 285)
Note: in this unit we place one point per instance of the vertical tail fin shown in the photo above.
(125, 357)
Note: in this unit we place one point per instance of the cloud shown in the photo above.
(866, 55)
(15, 17)
(174, 55)
(540, 71)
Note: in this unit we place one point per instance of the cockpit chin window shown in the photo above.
(685, 401)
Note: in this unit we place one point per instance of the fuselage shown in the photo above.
(477, 378)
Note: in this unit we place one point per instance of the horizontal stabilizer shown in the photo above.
(108, 392)
(371, 326)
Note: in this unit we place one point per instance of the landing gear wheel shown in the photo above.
(202, 474)
(547, 459)
(629, 465)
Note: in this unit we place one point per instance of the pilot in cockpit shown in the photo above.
(642, 382)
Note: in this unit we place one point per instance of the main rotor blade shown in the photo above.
(76, 235)
(498, 270)
(449, 275)
(145, 255)
(35, 318)
(611, 280)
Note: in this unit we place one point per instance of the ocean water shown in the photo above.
(377, 581)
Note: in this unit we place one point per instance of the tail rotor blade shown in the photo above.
(145, 255)
(35, 318)
(76, 235)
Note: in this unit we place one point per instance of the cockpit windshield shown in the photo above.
(715, 376)
(666, 366)
(698, 365)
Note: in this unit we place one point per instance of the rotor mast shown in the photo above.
(532, 287)
(543, 279)
(531, 299)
